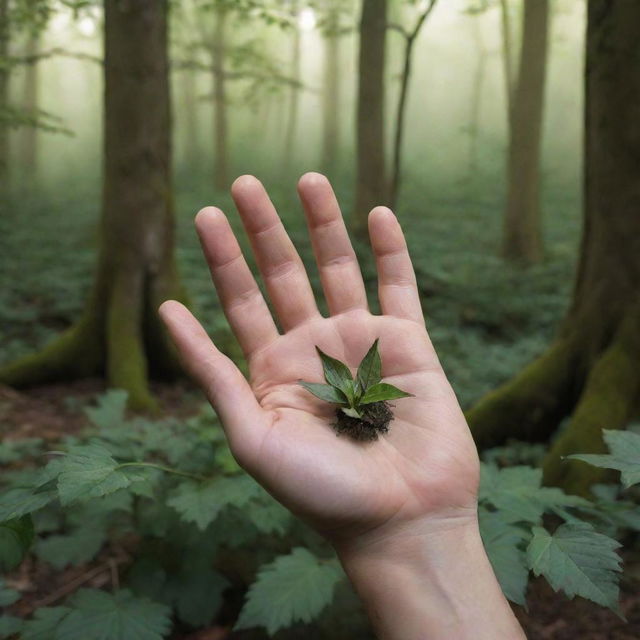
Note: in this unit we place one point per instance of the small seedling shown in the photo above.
(363, 409)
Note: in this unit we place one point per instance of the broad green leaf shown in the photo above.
(517, 493)
(44, 623)
(578, 560)
(337, 374)
(624, 457)
(292, 588)
(268, 516)
(15, 503)
(325, 392)
(76, 547)
(90, 471)
(383, 391)
(9, 626)
(16, 537)
(110, 410)
(370, 369)
(202, 502)
(198, 595)
(98, 615)
(504, 544)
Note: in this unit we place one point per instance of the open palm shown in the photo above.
(425, 465)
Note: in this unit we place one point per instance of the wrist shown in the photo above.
(430, 579)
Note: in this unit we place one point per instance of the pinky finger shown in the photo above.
(223, 383)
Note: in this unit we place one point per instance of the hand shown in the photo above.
(425, 466)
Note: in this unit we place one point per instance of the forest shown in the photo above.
(155, 484)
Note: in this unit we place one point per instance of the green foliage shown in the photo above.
(351, 394)
(293, 588)
(16, 537)
(624, 456)
(578, 560)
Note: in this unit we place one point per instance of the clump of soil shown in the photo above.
(375, 420)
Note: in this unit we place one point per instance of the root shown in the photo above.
(529, 406)
(607, 402)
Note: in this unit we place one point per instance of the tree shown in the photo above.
(409, 37)
(294, 103)
(591, 371)
(522, 240)
(371, 185)
(220, 120)
(119, 333)
(4, 92)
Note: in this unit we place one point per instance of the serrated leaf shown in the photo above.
(90, 471)
(517, 493)
(16, 537)
(337, 374)
(370, 369)
(504, 544)
(76, 547)
(98, 615)
(325, 392)
(19, 502)
(578, 560)
(7, 594)
(202, 502)
(44, 623)
(268, 516)
(110, 410)
(9, 626)
(624, 457)
(292, 588)
(383, 391)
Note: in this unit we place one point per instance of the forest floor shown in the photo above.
(54, 411)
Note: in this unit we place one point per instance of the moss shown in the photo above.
(528, 406)
(375, 420)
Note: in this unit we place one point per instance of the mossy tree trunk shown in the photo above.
(119, 333)
(371, 181)
(592, 372)
(522, 240)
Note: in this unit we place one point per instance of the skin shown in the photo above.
(401, 512)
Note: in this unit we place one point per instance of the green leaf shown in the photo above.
(89, 471)
(81, 545)
(292, 588)
(9, 626)
(202, 502)
(19, 502)
(44, 623)
(16, 537)
(325, 392)
(97, 615)
(370, 369)
(504, 544)
(624, 457)
(517, 493)
(337, 374)
(7, 595)
(268, 516)
(578, 560)
(383, 391)
(110, 410)
(198, 595)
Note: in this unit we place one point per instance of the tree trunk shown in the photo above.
(220, 121)
(593, 371)
(190, 119)
(29, 142)
(119, 334)
(292, 110)
(4, 94)
(331, 97)
(476, 102)
(371, 184)
(507, 59)
(522, 226)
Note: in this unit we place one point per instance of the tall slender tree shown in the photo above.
(522, 240)
(29, 135)
(371, 179)
(293, 104)
(4, 93)
(220, 120)
(331, 91)
(119, 333)
(592, 370)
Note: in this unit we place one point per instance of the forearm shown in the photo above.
(431, 584)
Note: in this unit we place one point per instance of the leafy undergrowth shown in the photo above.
(148, 529)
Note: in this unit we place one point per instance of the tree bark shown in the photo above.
(597, 376)
(476, 101)
(4, 93)
(371, 185)
(331, 96)
(29, 142)
(119, 334)
(507, 59)
(220, 120)
(522, 226)
(293, 104)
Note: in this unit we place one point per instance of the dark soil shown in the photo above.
(375, 420)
